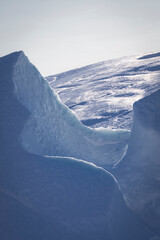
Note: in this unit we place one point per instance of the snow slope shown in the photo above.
(102, 94)
(139, 171)
(53, 129)
(52, 197)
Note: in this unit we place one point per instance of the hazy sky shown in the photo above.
(59, 35)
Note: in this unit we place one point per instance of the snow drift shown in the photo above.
(139, 171)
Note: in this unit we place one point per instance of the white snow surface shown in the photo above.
(54, 129)
(102, 94)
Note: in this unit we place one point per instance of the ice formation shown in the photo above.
(53, 129)
(60, 198)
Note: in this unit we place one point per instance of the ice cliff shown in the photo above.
(53, 129)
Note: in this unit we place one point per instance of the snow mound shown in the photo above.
(63, 198)
(138, 172)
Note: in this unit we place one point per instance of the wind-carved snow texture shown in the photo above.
(53, 129)
(102, 94)
(139, 171)
(52, 197)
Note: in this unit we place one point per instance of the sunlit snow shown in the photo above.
(102, 94)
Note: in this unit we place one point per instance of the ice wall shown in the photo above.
(53, 129)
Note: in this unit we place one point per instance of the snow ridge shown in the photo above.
(53, 129)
